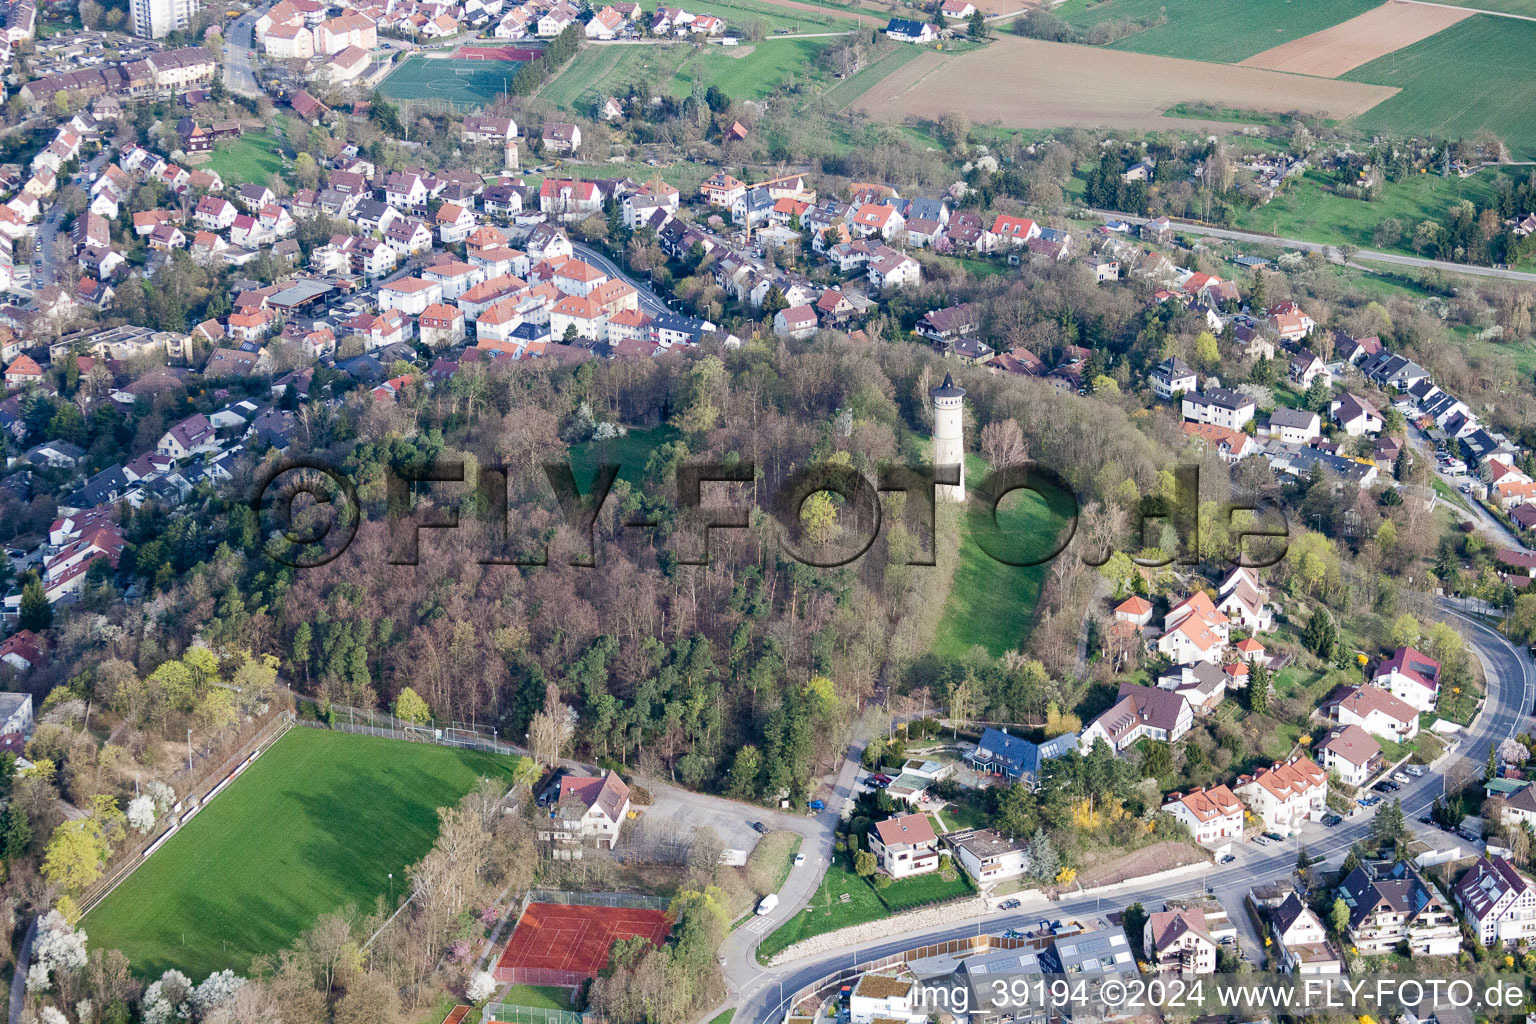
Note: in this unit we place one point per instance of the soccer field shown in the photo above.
(463, 83)
(317, 822)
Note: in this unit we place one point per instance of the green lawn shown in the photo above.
(630, 451)
(250, 158)
(543, 997)
(1474, 75)
(1309, 211)
(828, 911)
(990, 603)
(318, 822)
(1225, 31)
(740, 13)
(724, 1018)
(774, 857)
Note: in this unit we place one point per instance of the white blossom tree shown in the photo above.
(217, 990)
(168, 1000)
(481, 985)
(141, 814)
(162, 794)
(58, 947)
(1512, 751)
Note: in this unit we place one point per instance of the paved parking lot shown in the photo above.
(676, 814)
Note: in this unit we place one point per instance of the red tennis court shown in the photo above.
(517, 53)
(554, 940)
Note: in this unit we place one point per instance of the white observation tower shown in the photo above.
(949, 435)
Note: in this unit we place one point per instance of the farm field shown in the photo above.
(1524, 8)
(317, 822)
(794, 17)
(1225, 31)
(246, 159)
(461, 83)
(1347, 45)
(1473, 76)
(991, 604)
(1308, 211)
(1043, 85)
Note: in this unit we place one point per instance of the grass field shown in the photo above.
(544, 997)
(1226, 31)
(1307, 210)
(827, 912)
(250, 158)
(1522, 7)
(318, 822)
(746, 72)
(992, 604)
(740, 13)
(841, 96)
(462, 83)
(1474, 75)
(630, 451)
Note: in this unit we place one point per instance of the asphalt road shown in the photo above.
(1331, 251)
(1511, 676)
(239, 67)
(650, 301)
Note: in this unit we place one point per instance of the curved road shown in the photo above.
(650, 302)
(1329, 250)
(1511, 677)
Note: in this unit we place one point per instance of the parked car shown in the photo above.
(1416, 770)
(1331, 820)
(1009, 905)
(1426, 820)
(799, 860)
(879, 780)
(1228, 859)
(1402, 777)
(1261, 840)
(1386, 786)
(1276, 836)
(759, 827)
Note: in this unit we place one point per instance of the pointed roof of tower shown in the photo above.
(949, 389)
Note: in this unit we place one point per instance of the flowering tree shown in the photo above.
(163, 795)
(168, 1000)
(1513, 752)
(216, 990)
(59, 946)
(141, 814)
(481, 985)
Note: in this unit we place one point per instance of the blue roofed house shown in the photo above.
(908, 31)
(1015, 758)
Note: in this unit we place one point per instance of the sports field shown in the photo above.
(317, 822)
(574, 939)
(463, 83)
(1225, 31)
(1474, 75)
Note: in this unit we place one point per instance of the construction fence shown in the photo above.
(638, 901)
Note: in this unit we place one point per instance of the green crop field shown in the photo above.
(990, 603)
(462, 83)
(739, 13)
(1525, 8)
(250, 158)
(318, 822)
(1225, 31)
(1474, 75)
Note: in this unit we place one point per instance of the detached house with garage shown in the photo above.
(1355, 416)
(905, 845)
(1352, 752)
(589, 808)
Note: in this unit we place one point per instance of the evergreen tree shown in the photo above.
(15, 832)
(36, 613)
(1492, 771)
(1320, 634)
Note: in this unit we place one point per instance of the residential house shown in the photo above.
(1173, 376)
(1214, 815)
(1284, 795)
(1306, 367)
(1411, 676)
(1012, 757)
(1304, 948)
(988, 855)
(1378, 713)
(1194, 630)
(1177, 942)
(1355, 416)
(1295, 426)
(1230, 445)
(1138, 712)
(907, 30)
(1351, 752)
(1396, 907)
(1230, 409)
(560, 137)
(1498, 901)
(589, 808)
(905, 845)
(1243, 600)
(796, 322)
